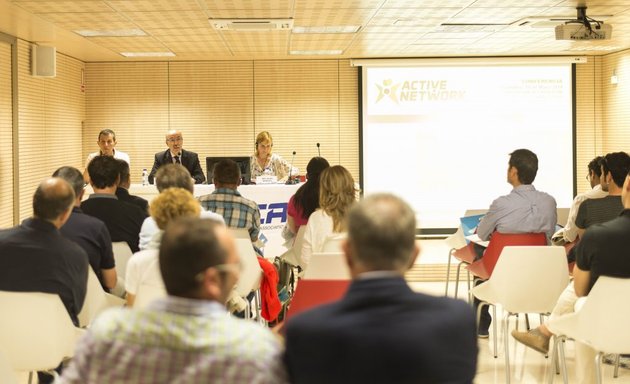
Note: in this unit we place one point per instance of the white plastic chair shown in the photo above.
(36, 331)
(122, 254)
(327, 266)
(293, 255)
(601, 323)
(96, 300)
(333, 242)
(526, 279)
(250, 276)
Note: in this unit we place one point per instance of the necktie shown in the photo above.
(177, 161)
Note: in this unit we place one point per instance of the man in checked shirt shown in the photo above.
(186, 337)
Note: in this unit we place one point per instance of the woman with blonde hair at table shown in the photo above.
(265, 163)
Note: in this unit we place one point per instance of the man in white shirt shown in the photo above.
(569, 233)
(107, 147)
(171, 176)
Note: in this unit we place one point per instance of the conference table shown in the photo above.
(272, 200)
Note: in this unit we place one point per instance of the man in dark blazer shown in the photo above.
(382, 331)
(122, 192)
(176, 154)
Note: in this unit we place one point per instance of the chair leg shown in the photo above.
(468, 282)
(495, 336)
(598, 367)
(448, 270)
(563, 361)
(30, 377)
(554, 366)
(527, 322)
(616, 373)
(459, 267)
(506, 324)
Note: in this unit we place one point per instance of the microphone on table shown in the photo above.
(289, 181)
(318, 152)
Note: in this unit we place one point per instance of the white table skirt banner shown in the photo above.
(272, 200)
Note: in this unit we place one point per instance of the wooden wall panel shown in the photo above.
(221, 106)
(589, 117)
(212, 104)
(51, 111)
(616, 101)
(132, 100)
(6, 137)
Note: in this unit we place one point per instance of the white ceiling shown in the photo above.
(388, 28)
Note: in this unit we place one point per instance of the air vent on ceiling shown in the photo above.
(251, 24)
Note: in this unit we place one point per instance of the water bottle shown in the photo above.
(145, 177)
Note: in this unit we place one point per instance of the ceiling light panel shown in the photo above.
(154, 5)
(147, 54)
(344, 29)
(64, 6)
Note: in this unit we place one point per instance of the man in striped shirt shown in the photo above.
(187, 337)
(225, 200)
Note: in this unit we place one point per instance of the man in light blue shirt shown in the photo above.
(523, 210)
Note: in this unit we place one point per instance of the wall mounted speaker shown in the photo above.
(43, 61)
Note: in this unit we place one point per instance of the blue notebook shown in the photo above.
(469, 224)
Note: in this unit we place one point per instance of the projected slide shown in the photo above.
(440, 137)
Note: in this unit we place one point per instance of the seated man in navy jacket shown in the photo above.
(175, 154)
(382, 331)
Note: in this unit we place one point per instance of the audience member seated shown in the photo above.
(143, 268)
(614, 171)
(89, 232)
(186, 337)
(171, 176)
(306, 199)
(34, 257)
(265, 163)
(175, 154)
(569, 233)
(337, 193)
(382, 331)
(123, 220)
(237, 211)
(523, 210)
(107, 147)
(122, 192)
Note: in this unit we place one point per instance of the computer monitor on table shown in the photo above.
(242, 161)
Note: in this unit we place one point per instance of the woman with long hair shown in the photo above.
(306, 199)
(337, 193)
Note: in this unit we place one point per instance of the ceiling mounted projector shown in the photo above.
(583, 28)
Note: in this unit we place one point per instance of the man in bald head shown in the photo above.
(35, 257)
(175, 154)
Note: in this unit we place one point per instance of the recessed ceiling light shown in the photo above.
(147, 54)
(328, 29)
(110, 33)
(317, 52)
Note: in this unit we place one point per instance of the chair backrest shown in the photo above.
(327, 266)
(293, 255)
(529, 279)
(122, 254)
(147, 293)
(604, 318)
(251, 274)
(562, 215)
(96, 300)
(311, 293)
(456, 240)
(35, 330)
(483, 267)
(333, 242)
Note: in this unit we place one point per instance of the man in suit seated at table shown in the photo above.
(382, 331)
(175, 154)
